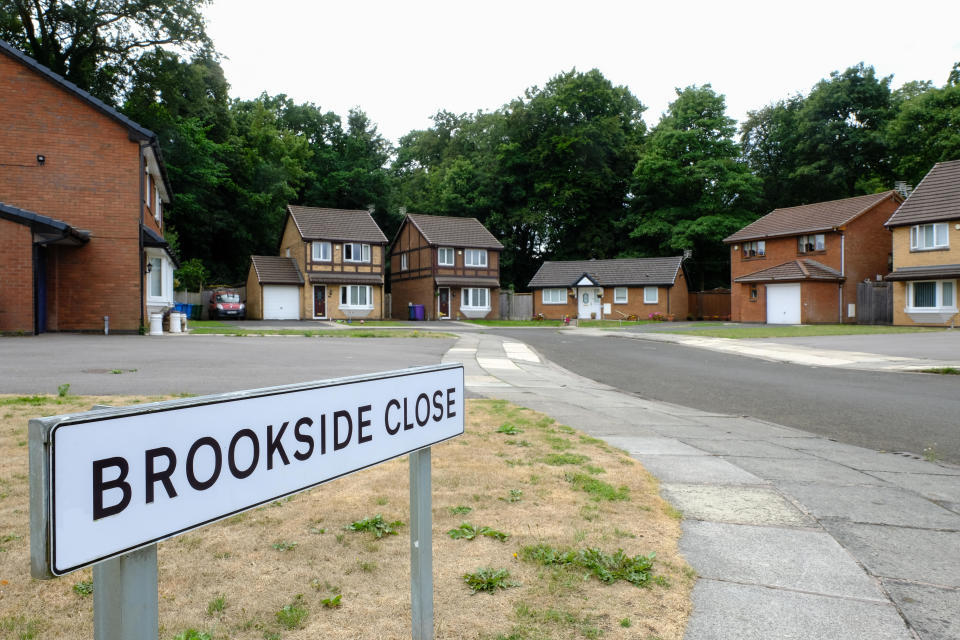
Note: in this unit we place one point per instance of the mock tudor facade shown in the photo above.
(926, 255)
(611, 289)
(799, 265)
(82, 191)
(330, 267)
(449, 265)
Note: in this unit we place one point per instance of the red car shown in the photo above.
(226, 304)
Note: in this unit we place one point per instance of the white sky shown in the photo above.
(402, 61)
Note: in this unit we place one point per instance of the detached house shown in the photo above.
(82, 191)
(449, 265)
(926, 255)
(800, 265)
(331, 266)
(613, 289)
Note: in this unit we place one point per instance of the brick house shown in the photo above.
(799, 265)
(449, 265)
(613, 289)
(926, 255)
(330, 267)
(82, 189)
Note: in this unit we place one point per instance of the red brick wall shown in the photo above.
(869, 246)
(90, 180)
(670, 300)
(819, 303)
(16, 278)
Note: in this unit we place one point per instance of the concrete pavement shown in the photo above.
(792, 535)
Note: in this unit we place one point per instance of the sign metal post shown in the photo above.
(125, 600)
(421, 546)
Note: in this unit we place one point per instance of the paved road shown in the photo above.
(197, 364)
(877, 410)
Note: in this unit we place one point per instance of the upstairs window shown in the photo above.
(754, 249)
(475, 257)
(321, 251)
(356, 252)
(445, 256)
(924, 237)
(403, 262)
(811, 243)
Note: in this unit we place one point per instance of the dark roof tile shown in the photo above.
(794, 270)
(276, 270)
(454, 231)
(935, 199)
(609, 273)
(809, 218)
(351, 225)
(925, 272)
(339, 277)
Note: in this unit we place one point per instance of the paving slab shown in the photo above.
(800, 560)
(749, 428)
(635, 445)
(730, 611)
(804, 470)
(684, 431)
(735, 504)
(745, 448)
(866, 460)
(876, 505)
(931, 610)
(920, 555)
(943, 489)
(696, 470)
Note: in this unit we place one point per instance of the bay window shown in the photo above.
(932, 295)
(356, 295)
(475, 298)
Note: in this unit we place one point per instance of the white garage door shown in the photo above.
(281, 302)
(783, 304)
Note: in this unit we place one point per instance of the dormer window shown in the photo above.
(811, 243)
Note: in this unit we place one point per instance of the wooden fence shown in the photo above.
(714, 304)
(875, 303)
(516, 306)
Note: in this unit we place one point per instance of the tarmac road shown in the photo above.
(877, 410)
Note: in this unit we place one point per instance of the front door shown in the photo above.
(588, 303)
(443, 302)
(319, 301)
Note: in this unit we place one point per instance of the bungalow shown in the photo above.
(614, 289)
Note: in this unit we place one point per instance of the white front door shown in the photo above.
(588, 302)
(783, 304)
(281, 302)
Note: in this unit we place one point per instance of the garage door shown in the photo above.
(281, 302)
(783, 304)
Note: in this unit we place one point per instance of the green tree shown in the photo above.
(96, 43)
(690, 189)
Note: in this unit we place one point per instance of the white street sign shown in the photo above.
(111, 481)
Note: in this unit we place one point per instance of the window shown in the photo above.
(651, 295)
(445, 256)
(810, 243)
(356, 295)
(157, 209)
(356, 252)
(754, 249)
(156, 277)
(475, 298)
(929, 236)
(554, 296)
(754, 293)
(403, 262)
(932, 295)
(321, 251)
(620, 295)
(475, 257)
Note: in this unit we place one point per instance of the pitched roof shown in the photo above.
(136, 131)
(352, 225)
(609, 273)
(936, 198)
(455, 231)
(809, 218)
(925, 272)
(794, 270)
(276, 270)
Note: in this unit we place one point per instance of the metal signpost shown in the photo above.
(107, 485)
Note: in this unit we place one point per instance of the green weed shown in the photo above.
(217, 605)
(598, 489)
(943, 371)
(516, 495)
(459, 510)
(605, 567)
(83, 588)
(291, 616)
(332, 602)
(20, 628)
(509, 429)
(488, 580)
(64, 390)
(560, 459)
(625, 623)
(377, 526)
(193, 634)
(467, 531)
(6, 539)
(284, 546)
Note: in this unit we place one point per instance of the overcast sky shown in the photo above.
(401, 62)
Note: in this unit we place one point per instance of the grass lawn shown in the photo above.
(773, 331)
(510, 497)
(214, 327)
(613, 324)
(517, 323)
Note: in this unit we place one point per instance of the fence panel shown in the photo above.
(710, 304)
(516, 306)
(875, 303)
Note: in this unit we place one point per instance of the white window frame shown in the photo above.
(317, 250)
(940, 306)
(940, 232)
(158, 206)
(617, 298)
(759, 248)
(466, 298)
(440, 255)
(364, 252)
(819, 243)
(346, 295)
(554, 296)
(404, 263)
(647, 299)
(475, 258)
(156, 258)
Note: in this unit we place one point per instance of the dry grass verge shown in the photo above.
(296, 569)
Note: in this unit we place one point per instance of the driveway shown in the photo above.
(940, 345)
